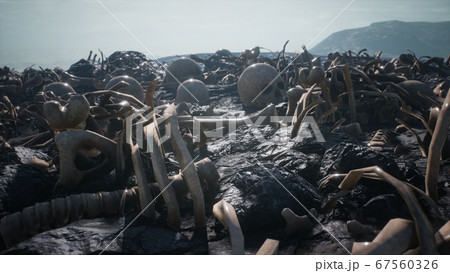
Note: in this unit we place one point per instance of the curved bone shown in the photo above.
(293, 95)
(295, 222)
(351, 95)
(270, 247)
(145, 195)
(442, 237)
(60, 213)
(437, 143)
(356, 229)
(302, 116)
(160, 172)
(187, 166)
(395, 238)
(69, 116)
(43, 216)
(69, 143)
(336, 125)
(226, 214)
(208, 172)
(423, 226)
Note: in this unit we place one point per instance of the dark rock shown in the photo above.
(307, 166)
(94, 235)
(376, 208)
(258, 198)
(345, 157)
(333, 239)
(22, 185)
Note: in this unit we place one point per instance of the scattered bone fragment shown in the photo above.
(226, 214)
(359, 230)
(294, 222)
(270, 247)
(395, 238)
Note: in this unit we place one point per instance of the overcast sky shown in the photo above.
(52, 32)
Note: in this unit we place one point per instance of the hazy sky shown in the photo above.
(52, 32)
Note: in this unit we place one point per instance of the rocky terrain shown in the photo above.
(281, 180)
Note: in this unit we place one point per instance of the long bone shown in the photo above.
(301, 117)
(145, 195)
(160, 172)
(71, 142)
(422, 224)
(270, 247)
(58, 212)
(226, 214)
(441, 237)
(188, 169)
(395, 238)
(437, 143)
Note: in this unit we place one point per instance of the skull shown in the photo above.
(180, 70)
(134, 88)
(260, 85)
(192, 91)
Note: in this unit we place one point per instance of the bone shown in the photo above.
(192, 91)
(187, 167)
(59, 212)
(437, 143)
(226, 214)
(301, 117)
(293, 95)
(11, 229)
(259, 85)
(45, 215)
(94, 204)
(294, 222)
(270, 247)
(351, 95)
(422, 224)
(145, 195)
(60, 118)
(358, 230)
(395, 238)
(160, 172)
(69, 143)
(134, 89)
(337, 124)
(180, 70)
(208, 172)
(441, 237)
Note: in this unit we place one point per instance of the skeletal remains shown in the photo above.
(107, 129)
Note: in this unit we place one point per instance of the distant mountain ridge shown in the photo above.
(392, 38)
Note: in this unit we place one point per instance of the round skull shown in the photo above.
(59, 89)
(179, 71)
(134, 88)
(260, 85)
(192, 91)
